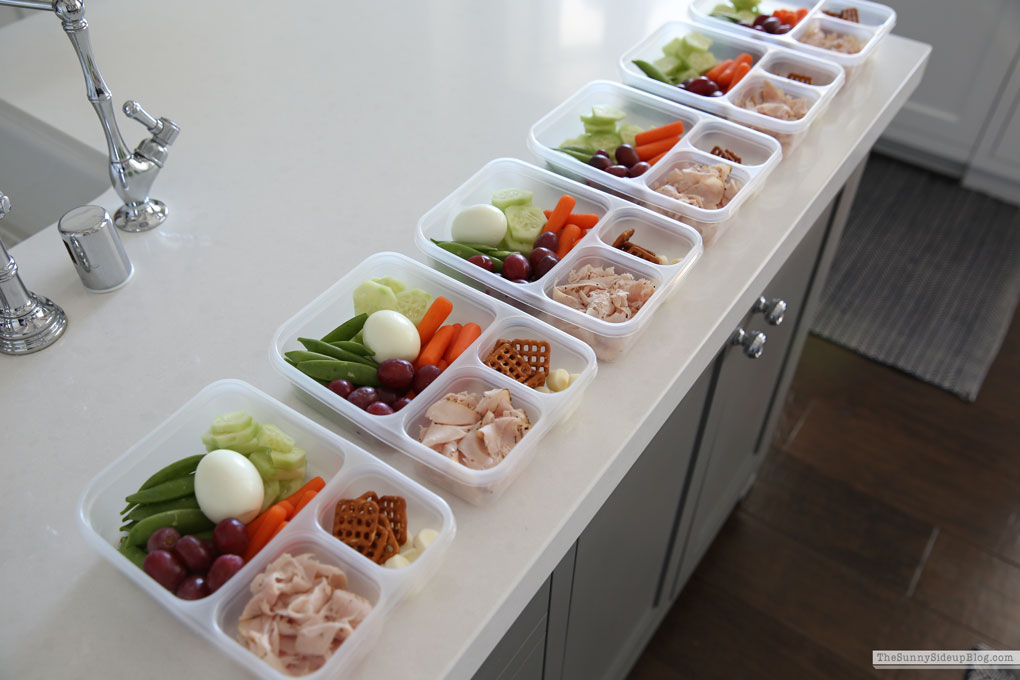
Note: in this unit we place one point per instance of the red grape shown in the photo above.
(193, 553)
(618, 170)
(341, 387)
(638, 169)
(193, 587)
(602, 152)
(760, 19)
(165, 568)
(379, 408)
(600, 162)
(483, 261)
(363, 396)
(537, 254)
(548, 239)
(783, 28)
(396, 374)
(626, 155)
(230, 538)
(162, 539)
(516, 266)
(543, 266)
(400, 403)
(222, 569)
(424, 377)
(701, 85)
(386, 395)
(771, 25)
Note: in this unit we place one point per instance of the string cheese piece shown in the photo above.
(424, 539)
(397, 562)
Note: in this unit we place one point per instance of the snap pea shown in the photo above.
(334, 369)
(133, 553)
(353, 347)
(148, 510)
(127, 527)
(299, 355)
(326, 348)
(580, 153)
(651, 70)
(186, 521)
(175, 488)
(347, 330)
(467, 252)
(180, 468)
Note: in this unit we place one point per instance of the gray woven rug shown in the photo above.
(926, 278)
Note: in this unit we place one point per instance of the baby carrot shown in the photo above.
(714, 72)
(658, 158)
(274, 515)
(648, 151)
(723, 81)
(434, 318)
(745, 58)
(559, 214)
(467, 335)
(306, 498)
(801, 13)
(315, 483)
(279, 528)
(661, 132)
(738, 73)
(583, 220)
(443, 364)
(568, 238)
(433, 352)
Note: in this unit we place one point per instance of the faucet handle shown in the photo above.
(164, 131)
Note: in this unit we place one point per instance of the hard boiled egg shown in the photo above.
(391, 335)
(482, 223)
(228, 485)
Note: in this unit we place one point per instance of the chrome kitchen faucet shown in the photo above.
(131, 174)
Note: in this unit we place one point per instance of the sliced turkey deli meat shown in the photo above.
(703, 186)
(768, 100)
(602, 293)
(477, 431)
(299, 613)
(832, 40)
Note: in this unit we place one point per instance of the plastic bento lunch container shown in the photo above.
(348, 470)
(759, 154)
(875, 21)
(678, 242)
(771, 63)
(467, 373)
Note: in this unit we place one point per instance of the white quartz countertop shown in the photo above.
(312, 135)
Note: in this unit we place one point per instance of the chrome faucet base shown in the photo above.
(141, 217)
(32, 327)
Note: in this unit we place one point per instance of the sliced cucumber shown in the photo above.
(525, 221)
(243, 441)
(695, 42)
(288, 460)
(230, 422)
(263, 463)
(504, 198)
(271, 489)
(668, 64)
(413, 304)
(605, 140)
(370, 297)
(595, 128)
(701, 61)
(628, 132)
(396, 285)
(282, 475)
(272, 437)
(674, 47)
(288, 487)
(603, 112)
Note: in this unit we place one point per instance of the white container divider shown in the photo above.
(876, 21)
(678, 242)
(497, 319)
(348, 470)
(770, 63)
(759, 153)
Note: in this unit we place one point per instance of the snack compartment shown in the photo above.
(782, 66)
(740, 175)
(789, 133)
(712, 134)
(861, 34)
(479, 486)
(655, 233)
(359, 581)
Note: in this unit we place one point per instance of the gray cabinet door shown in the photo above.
(520, 654)
(622, 553)
(745, 390)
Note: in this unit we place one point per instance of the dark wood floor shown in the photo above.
(887, 516)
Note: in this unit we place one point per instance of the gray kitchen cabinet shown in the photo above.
(745, 391)
(611, 591)
(620, 556)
